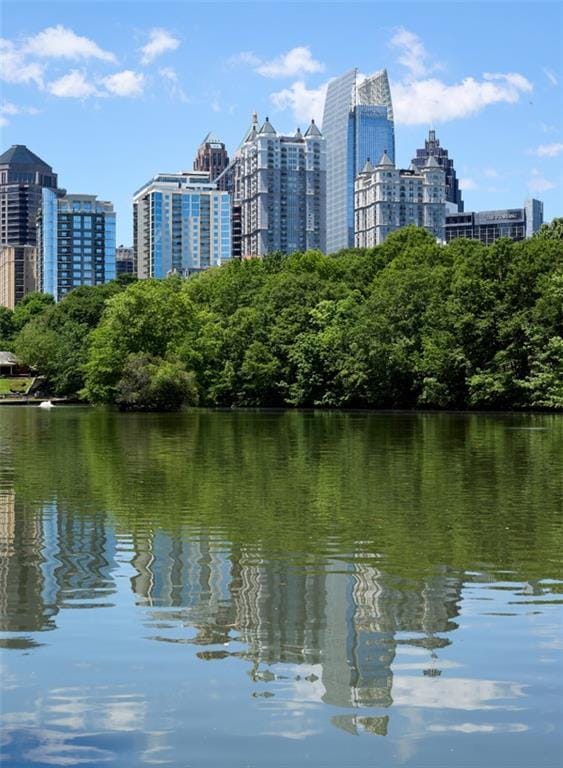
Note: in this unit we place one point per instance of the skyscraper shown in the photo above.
(357, 125)
(75, 242)
(212, 157)
(388, 198)
(23, 175)
(281, 183)
(432, 148)
(181, 224)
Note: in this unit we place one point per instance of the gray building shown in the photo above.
(125, 261)
(433, 149)
(357, 124)
(23, 176)
(211, 157)
(280, 182)
(488, 226)
(388, 198)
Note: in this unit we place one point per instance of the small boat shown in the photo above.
(46, 404)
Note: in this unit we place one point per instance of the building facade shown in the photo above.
(75, 242)
(280, 184)
(23, 176)
(212, 157)
(488, 226)
(433, 149)
(125, 261)
(181, 224)
(357, 124)
(388, 198)
(18, 273)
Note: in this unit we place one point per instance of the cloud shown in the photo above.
(160, 41)
(538, 183)
(72, 86)
(490, 173)
(550, 74)
(468, 184)
(62, 43)
(548, 150)
(14, 68)
(7, 108)
(172, 81)
(295, 63)
(305, 103)
(126, 83)
(426, 101)
(415, 55)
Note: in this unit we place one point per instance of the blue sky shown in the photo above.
(112, 93)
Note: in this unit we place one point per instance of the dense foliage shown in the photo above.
(407, 324)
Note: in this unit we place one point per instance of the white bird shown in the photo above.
(46, 404)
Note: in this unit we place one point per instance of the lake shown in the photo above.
(268, 589)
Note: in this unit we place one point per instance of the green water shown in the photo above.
(281, 589)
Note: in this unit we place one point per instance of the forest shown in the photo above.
(407, 324)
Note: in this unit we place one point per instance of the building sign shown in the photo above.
(499, 217)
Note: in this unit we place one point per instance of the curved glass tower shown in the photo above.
(357, 125)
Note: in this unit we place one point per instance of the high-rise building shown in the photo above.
(488, 226)
(125, 261)
(387, 198)
(22, 177)
(432, 148)
(18, 273)
(211, 157)
(280, 182)
(357, 124)
(181, 224)
(75, 242)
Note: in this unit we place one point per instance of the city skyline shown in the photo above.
(72, 71)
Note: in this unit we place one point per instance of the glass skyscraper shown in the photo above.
(75, 242)
(357, 126)
(181, 224)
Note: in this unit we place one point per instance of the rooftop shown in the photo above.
(19, 154)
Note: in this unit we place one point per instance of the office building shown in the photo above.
(388, 198)
(125, 261)
(211, 157)
(18, 273)
(181, 224)
(488, 226)
(433, 149)
(23, 175)
(75, 242)
(357, 124)
(280, 182)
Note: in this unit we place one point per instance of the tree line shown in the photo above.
(407, 324)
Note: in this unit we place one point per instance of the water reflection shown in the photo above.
(303, 572)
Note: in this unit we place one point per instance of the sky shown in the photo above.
(112, 93)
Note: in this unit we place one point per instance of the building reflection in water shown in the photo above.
(345, 621)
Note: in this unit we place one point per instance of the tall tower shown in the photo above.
(211, 157)
(432, 148)
(23, 176)
(357, 124)
(281, 182)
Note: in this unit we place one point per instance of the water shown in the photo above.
(281, 589)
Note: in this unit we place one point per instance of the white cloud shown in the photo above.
(172, 81)
(296, 62)
(14, 68)
(126, 83)
(62, 43)
(426, 101)
(538, 183)
(72, 86)
(305, 103)
(548, 150)
(415, 55)
(467, 184)
(160, 41)
(7, 108)
(490, 173)
(550, 74)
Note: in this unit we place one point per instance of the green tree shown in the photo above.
(150, 383)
